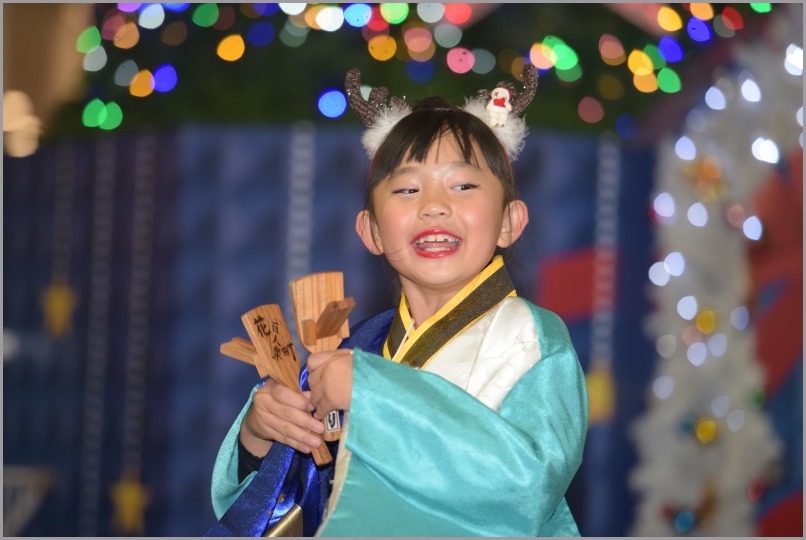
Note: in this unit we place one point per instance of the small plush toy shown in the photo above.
(498, 108)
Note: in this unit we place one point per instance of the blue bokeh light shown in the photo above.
(626, 127)
(266, 9)
(176, 7)
(358, 15)
(261, 34)
(165, 78)
(420, 72)
(698, 30)
(332, 103)
(670, 49)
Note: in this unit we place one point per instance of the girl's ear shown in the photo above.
(368, 233)
(516, 216)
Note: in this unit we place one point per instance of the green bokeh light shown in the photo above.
(205, 15)
(669, 81)
(88, 40)
(761, 7)
(566, 57)
(570, 75)
(654, 54)
(394, 13)
(114, 116)
(94, 113)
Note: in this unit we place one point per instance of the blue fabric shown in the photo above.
(288, 472)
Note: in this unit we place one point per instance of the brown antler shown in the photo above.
(368, 109)
(522, 100)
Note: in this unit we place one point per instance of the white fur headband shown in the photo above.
(500, 109)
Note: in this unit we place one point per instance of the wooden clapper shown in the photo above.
(321, 315)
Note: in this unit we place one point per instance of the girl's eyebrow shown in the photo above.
(452, 165)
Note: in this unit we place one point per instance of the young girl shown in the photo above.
(465, 407)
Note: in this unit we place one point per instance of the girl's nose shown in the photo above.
(434, 207)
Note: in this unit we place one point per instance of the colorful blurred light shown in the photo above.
(697, 215)
(458, 13)
(95, 60)
(175, 33)
(706, 321)
(701, 10)
(261, 34)
(685, 149)
(425, 55)
(654, 55)
(293, 36)
(698, 30)
(231, 48)
(706, 430)
(610, 87)
(394, 13)
(750, 90)
(740, 317)
(142, 84)
(266, 9)
(590, 110)
(732, 18)
(357, 15)
(126, 36)
(376, 22)
(761, 7)
(420, 72)
(205, 15)
(687, 307)
(165, 78)
(447, 35)
(611, 50)
(626, 127)
(176, 7)
(88, 40)
(94, 113)
(226, 18)
(417, 38)
(460, 60)
(670, 49)
(669, 20)
(330, 19)
(128, 7)
(639, 63)
(715, 99)
(151, 16)
(292, 8)
(541, 56)
(484, 61)
(382, 47)
(114, 116)
(332, 103)
(794, 60)
(112, 23)
(569, 75)
(721, 29)
(669, 81)
(664, 205)
(431, 13)
(125, 73)
(765, 150)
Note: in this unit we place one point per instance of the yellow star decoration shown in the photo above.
(601, 393)
(58, 303)
(130, 498)
(706, 176)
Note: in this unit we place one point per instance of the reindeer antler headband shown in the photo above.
(499, 108)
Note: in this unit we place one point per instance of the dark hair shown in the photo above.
(431, 118)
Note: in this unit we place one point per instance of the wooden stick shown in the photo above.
(276, 355)
(321, 312)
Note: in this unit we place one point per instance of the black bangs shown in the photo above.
(431, 118)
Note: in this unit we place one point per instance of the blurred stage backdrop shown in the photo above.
(168, 167)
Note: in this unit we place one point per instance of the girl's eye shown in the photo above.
(406, 191)
(465, 187)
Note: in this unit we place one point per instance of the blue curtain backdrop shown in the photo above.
(227, 216)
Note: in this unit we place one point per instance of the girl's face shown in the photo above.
(438, 222)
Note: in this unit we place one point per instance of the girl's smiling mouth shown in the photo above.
(435, 243)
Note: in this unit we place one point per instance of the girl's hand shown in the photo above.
(280, 414)
(330, 375)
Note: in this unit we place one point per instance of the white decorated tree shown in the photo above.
(705, 445)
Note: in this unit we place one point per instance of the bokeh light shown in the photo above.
(794, 60)
(639, 63)
(664, 205)
(611, 50)
(706, 430)
(740, 318)
(165, 78)
(142, 84)
(176, 7)
(697, 214)
(484, 61)
(732, 19)
(226, 18)
(752, 228)
(357, 15)
(95, 60)
(332, 103)
(88, 40)
(420, 72)
(417, 38)
(610, 87)
(266, 9)
(590, 110)
(765, 150)
(430, 12)
(447, 35)
(126, 72)
(715, 99)
(658, 274)
(460, 60)
(175, 33)
(669, 20)
(698, 30)
(292, 8)
(565, 75)
(394, 13)
(687, 307)
(706, 321)
(701, 10)
(685, 148)
(376, 22)
(645, 83)
(206, 15)
(718, 344)
(750, 90)
(458, 13)
(126, 36)
(128, 7)
(261, 34)
(654, 55)
(330, 18)
(697, 353)
(114, 116)
(669, 81)
(541, 56)
(761, 7)
(94, 113)
(675, 263)
(382, 47)
(626, 127)
(112, 22)
(231, 48)
(670, 49)
(663, 386)
(151, 17)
